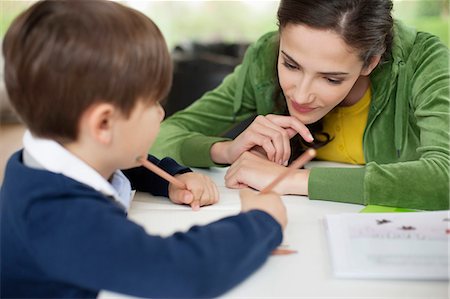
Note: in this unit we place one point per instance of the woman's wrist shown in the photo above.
(218, 152)
(297, 183)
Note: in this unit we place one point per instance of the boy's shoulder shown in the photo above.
(24, 187)
(44, 215)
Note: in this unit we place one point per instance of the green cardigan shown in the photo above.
(406, 141)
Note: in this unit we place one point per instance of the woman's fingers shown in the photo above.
(272, 133)
(280, 138)
(245, 171)
(293, 123)
(271, 137)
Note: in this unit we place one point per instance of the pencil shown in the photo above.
(153, 168)
(299, 162)
(283, 251)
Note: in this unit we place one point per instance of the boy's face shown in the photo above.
(137, 133)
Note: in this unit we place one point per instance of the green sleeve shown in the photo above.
(337, 184)
(420, 182)
(188, 135)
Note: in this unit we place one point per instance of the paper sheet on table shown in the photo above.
(229, 200)
(390, 245)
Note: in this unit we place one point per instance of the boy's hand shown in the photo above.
(270, 203)
(201, 191)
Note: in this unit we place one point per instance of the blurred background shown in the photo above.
(241, 20)
(207, 40)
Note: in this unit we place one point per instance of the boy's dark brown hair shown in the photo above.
(63, 56)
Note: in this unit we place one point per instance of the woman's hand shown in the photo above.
(253, 171)
(267, 135)
(201, 191)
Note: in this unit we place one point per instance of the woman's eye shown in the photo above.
(333, 81)
(289, 66)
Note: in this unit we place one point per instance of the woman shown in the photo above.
(377, 90)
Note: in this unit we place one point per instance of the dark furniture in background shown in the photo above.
(199, 68)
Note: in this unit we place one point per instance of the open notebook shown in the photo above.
(390, 245)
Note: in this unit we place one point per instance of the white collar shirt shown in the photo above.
(49, 155)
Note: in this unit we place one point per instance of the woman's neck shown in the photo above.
(357, 91)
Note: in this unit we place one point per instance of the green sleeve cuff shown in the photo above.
(196, 151)
(337, 184)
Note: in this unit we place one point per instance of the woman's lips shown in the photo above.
(301, 108)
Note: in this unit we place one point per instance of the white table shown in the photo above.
(307, 274)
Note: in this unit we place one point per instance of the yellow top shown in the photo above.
(346, 126)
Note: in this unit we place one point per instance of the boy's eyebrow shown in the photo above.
(292, 60)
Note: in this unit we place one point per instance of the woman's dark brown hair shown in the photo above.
(63, 56)
(365, 25)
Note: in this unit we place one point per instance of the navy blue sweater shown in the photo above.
(62, 239)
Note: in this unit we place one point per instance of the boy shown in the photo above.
(86, 78)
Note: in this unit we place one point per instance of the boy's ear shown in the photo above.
(100, 121)
(372, 65)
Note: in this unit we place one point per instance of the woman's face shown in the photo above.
(316, 70)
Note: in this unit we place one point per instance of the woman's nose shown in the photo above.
(303, 91)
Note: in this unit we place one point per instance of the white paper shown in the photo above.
(390, 245)
(229, 201)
